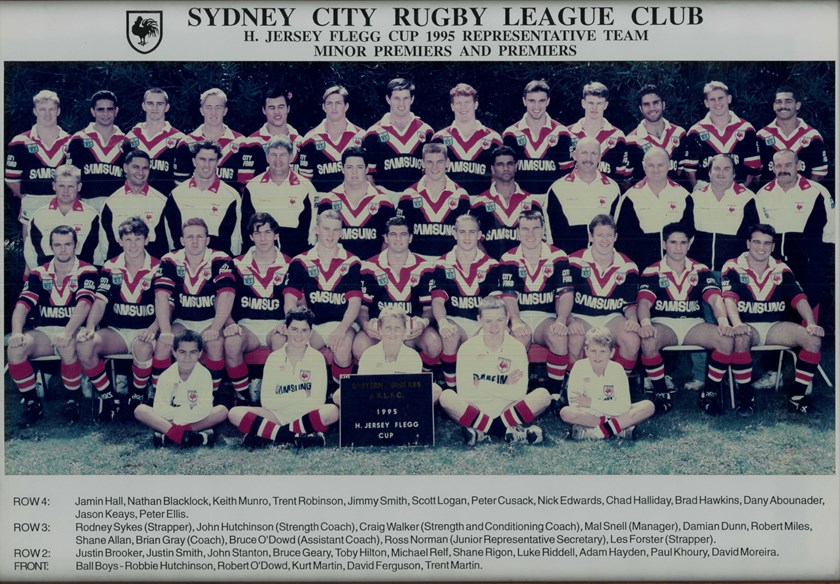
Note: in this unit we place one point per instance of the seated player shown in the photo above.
(258, 308)
(492, 377)
(758, 290)
(364, 210)
(499, 207)
(398, 278)
(194, 289)
(542, 278)
(433, 204)
(670, 311)
(183, 412)
(461, 279)
(294, 392)
(391, 356)
(326, 280)
(56, 297)
(606, 285)
(124, 310)
(599, 395)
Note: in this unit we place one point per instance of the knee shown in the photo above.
(630, 342)
(558, 344)
(329, 414)
(566, 414)
(448, 398)
(539, 398)
(142, 351)
(649, 347)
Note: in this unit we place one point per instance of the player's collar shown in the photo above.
(92, 131)
(524, 121)
(214, 186)
(51, 271)
(143, 191)
(33, 133)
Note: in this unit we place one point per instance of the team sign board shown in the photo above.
(387, 410)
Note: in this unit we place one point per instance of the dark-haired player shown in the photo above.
(613, 144)
(277, 103)
(156, 137)
(654, 131)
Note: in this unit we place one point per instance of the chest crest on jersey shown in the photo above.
(609, 390)
(504, 365)
(762, 289)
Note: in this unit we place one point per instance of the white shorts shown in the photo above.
(470, 326)
(680, 326)
(198, 326)
(325, 329)
(534, 318)
(51, 332)
(597, 321)
(260, 328)
(31, 203)
(128, 335)
(762, 328)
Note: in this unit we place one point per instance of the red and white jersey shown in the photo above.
(82, 218)
(613, 148)
(229, 164)
(433, 221)
(394, 155)
(482, 373)
(762, 297)
(674, 295)
(325, 287)
(147, 204)
(571, 205)
(406, 287)
(100, 161)
(219, 205)
(537, 285)
(252, 152)
(604, 291)
(704, 141)
(805, 141)
(802, 217)
(54, 299)
(192, 289)
(470, 157)
(259, 290)
(161, 148)
(320, 157)
(130, 299)
(499, 218)
(363, 223)
(30, 162)
(639, 141)
(541, 157)
(464, 287)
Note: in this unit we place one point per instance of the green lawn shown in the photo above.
(682, 442)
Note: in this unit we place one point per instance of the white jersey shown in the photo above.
(293, 390)
(482, 373)
(184, 402)
(372, 361)
(610, 392)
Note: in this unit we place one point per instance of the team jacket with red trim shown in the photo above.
(639, 141)
(148, 204)
(259, 292)
(805, 140)
(363, 228)
(720, 227)
(192, 290)
(220, 206)
(290, 203)
(542, 158)
(598, 292)
(55, 300)
(761, 297)
(640, 216)
(32, 163)
(325, 289)
(101, 162)
(320, 157)
(406, 288)
(537, 286)
(470, 157)
(703, 142)
(130, 301)
(463, 287)
(799, 217)
(675, 295)
(161, 148)
(613, 149)
(252, 152)
(394, 156)
(572, 203)
(433, 222)
(82, 218)
(498, 219)
(229, 164)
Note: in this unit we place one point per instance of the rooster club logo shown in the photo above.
(144, 29)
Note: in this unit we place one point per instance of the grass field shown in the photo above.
(682, 442)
